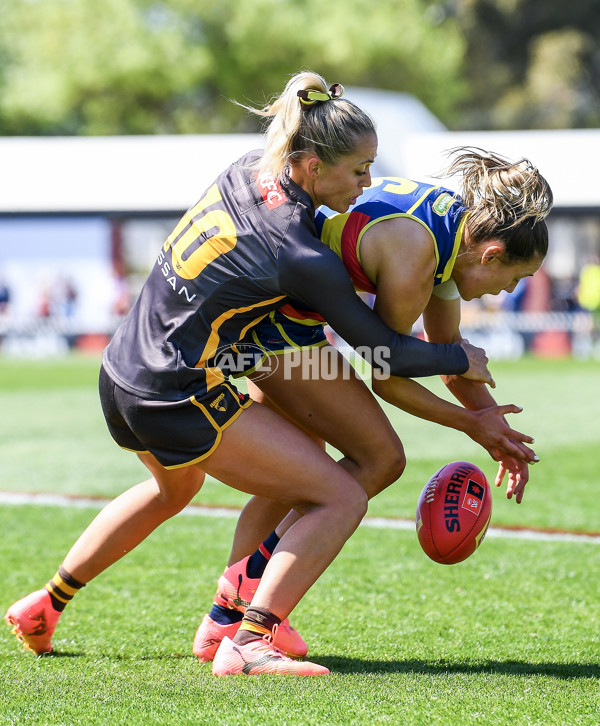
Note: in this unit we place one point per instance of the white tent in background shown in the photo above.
(64, 199)
(166, 174)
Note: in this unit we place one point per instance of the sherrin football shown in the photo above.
(453, 513)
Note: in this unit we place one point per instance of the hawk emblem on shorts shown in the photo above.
(220, 404)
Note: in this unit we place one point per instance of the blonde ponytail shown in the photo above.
(309, 117)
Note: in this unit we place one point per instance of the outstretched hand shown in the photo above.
(518, 476)
(491, 430)
(505, 445)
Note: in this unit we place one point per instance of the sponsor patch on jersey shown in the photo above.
(270, 190)
(442, 204)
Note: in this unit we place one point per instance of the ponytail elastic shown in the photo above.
(310, 97)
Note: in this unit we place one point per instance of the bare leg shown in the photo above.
(343, 412)
(262, 454)
(259, 453)
(257, 520)
(130, 518)
(261, 516)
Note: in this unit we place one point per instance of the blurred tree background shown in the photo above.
(146, 66)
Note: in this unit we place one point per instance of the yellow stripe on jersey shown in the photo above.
(212, 344)
(214, 377)
(283, 334)
(331, 234)
(447, 273)
(250, 325)
(421, 198)
(299, 321)
(418, 204)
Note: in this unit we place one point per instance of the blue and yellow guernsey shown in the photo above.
(438, 209)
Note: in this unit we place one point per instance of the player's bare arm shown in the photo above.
(398, 256)
(403, 291)
(442, 319)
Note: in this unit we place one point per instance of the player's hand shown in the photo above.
(478, 360)
(518, 476)
(490, 429)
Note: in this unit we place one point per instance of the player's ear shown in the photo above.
(313, 166)
(492, 251)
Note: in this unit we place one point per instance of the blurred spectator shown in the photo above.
(4, 297)
(588, 291)
(44, 309)
(121, 295)
(69, 298)
(588, 296)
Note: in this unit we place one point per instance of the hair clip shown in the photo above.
(310, 97)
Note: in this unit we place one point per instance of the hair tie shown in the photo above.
(309, 98)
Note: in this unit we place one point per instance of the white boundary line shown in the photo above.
(59, 500)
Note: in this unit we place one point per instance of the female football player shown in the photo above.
(419, 248)
(243, 250)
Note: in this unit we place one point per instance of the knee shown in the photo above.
(176, 497)
(345, 502)
(352, 505)
(173, 502)
(385, 467)
(359, 503)
(394, 464)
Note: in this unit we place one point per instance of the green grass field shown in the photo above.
(511, 636)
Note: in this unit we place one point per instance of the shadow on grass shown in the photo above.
(502, 667)
(361, 666)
